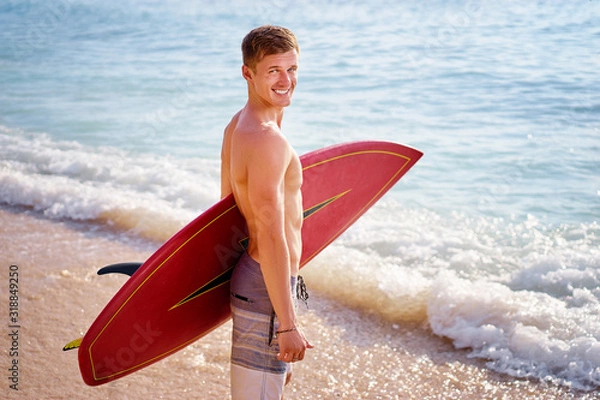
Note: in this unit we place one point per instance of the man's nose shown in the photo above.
(285, 78)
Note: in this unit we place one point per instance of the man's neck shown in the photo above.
(263, 113)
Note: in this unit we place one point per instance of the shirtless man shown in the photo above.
(264, 174)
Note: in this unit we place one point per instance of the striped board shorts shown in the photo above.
(254, 343)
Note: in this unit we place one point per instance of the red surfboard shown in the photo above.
(181, 292)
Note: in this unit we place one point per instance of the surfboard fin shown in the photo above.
(72, 345)
(128, 268)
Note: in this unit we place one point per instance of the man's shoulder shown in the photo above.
(266, 149)
(261, 135)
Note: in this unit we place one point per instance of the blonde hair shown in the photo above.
(266, 40)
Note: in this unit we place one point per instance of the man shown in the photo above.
(264, 174)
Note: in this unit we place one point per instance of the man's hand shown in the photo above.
(292, 345)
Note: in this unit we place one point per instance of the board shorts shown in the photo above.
(256, 373)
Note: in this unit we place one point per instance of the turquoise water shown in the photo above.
(503, 99)
(113, 114)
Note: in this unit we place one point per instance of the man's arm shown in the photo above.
(267, 169)
(267, 166)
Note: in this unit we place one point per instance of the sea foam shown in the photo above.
(521, 295)
(148, 195)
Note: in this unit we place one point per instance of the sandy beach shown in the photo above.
(356, 356)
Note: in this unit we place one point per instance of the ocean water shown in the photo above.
(112, 114)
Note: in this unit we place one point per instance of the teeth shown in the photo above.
(281, 91)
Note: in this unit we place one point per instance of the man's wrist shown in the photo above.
(279, 332)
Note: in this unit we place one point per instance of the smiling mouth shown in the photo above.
(281, 91)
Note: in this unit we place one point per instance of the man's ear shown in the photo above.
(246, 73)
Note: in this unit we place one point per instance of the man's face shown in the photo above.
(275, 78)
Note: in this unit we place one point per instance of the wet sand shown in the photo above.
(357, 355)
